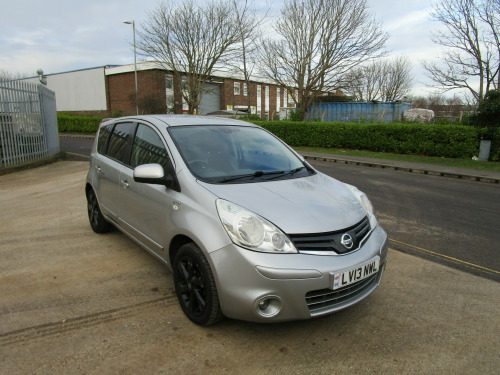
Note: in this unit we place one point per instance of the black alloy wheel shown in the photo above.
(195, 286)
(96, 218)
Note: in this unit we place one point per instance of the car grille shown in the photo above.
(326, 299)
(324, 243)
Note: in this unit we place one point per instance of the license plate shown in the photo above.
(350, 276)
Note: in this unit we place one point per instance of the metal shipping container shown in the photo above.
(358, 112)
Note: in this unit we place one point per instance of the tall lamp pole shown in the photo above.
(132, 22)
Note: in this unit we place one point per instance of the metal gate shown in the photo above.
(28, 123)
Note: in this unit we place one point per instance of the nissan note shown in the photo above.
(249, 229)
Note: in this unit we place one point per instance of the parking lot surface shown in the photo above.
(74, 302)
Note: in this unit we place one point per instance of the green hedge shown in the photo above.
(78, 124)
(452, 141)
(495, 146)
(421, 139)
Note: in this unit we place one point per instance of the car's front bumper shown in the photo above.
(299, 286)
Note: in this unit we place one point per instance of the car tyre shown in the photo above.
(96, 218)
(195, 286)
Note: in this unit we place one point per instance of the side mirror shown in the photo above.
(154, 174)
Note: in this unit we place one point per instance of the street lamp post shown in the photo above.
(132, 22)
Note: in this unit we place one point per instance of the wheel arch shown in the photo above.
(175, 244)
(88, 188)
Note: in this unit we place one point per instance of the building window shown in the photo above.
(169, 81)
(266, 100)
(236, 88)
(245, 89)
(169, 91)
(184, 83)
(259, 99)
(278, 101)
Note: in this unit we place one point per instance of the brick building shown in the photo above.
(157, 92)
(110, 90)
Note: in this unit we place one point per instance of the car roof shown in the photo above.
(183, 120)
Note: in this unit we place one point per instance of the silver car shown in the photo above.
(248, 228)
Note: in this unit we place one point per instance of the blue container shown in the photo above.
(357, 112)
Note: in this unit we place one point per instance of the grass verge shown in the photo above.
(450, 162)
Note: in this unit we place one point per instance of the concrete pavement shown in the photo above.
(73, 302)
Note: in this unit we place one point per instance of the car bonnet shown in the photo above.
(313, 204)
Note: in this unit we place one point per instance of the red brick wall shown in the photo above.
(121, 91)
(151, 83)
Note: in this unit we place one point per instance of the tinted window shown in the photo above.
(121, 141)
(148, 148)
(102, 140)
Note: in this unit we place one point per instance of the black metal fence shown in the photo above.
(28, 123)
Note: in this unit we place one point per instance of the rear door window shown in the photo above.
(120, 142)
(102, 140)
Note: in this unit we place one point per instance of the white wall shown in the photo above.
(82, 90)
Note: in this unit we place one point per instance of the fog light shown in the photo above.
(264, 304)
(268, 306)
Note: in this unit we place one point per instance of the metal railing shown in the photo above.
(28, 123)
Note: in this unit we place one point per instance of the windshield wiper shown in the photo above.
(250, 175)
(291, 172)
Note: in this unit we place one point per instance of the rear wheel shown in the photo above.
(96, 218)
(195, 286)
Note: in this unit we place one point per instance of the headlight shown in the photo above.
(251, 231)
(365, 203)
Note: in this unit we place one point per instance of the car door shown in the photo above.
(114, 146)
(144, 208)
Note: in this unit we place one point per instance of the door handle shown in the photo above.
(125, 184)
(98, 169)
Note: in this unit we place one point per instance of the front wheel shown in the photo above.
(195, 286)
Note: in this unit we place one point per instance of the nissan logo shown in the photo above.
(347, 241)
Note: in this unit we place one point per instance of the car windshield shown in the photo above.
(235, 154)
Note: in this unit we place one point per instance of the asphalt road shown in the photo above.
(451, 221)
(76, 147)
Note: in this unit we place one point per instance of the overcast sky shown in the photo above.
(65, 35)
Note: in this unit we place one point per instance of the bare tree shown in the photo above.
(385, 80)
(8, 76)
(189, 39)
(471, 58)
(317, 42)
(249, 20)
(363, 83)
(4, 75)
(397, 79)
